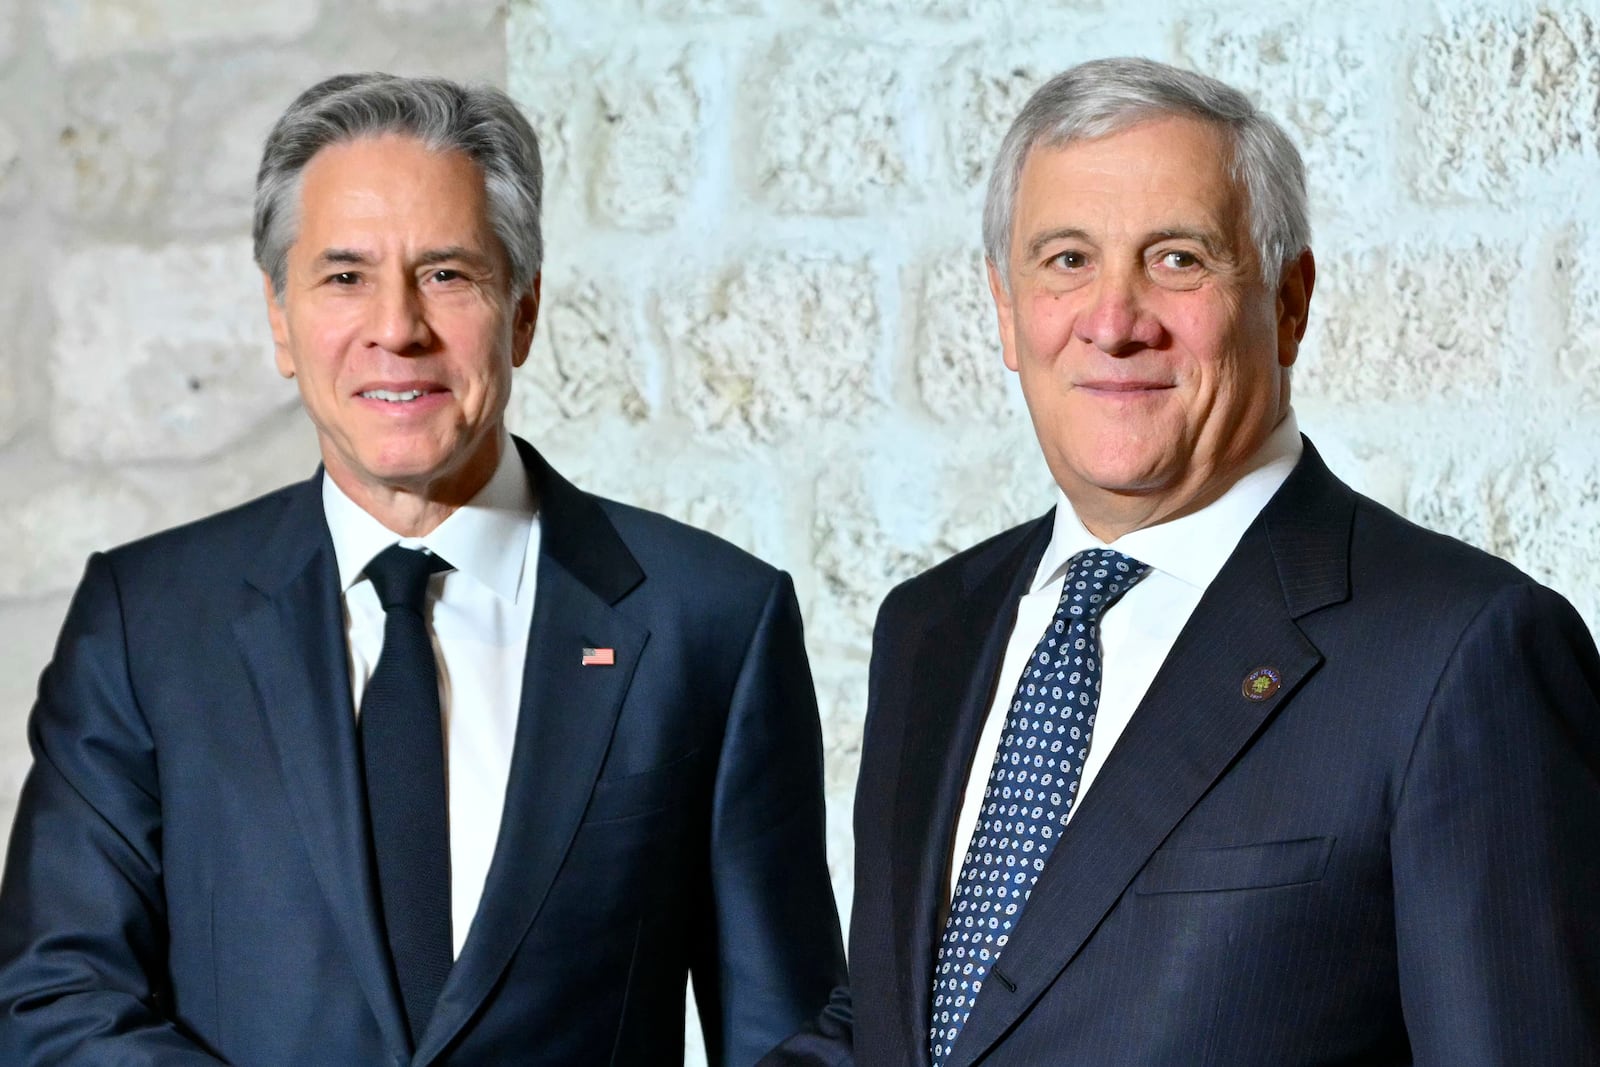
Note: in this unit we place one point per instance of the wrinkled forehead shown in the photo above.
(1165, 164)
(392, 184)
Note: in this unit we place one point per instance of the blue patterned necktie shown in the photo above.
(1031, 787)
(402, 753)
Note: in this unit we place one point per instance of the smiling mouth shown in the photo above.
(1124, 387)
(404, 396)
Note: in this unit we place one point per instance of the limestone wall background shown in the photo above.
(764, 309)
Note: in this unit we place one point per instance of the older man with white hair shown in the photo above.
(1220, 762)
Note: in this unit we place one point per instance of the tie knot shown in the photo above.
(400, 576)
(1096, 577)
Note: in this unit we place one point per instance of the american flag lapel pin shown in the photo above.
(599, 657)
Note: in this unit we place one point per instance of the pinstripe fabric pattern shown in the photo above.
(1390, 861)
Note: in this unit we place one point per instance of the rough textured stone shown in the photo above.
(10, 405)
(113, 144)
(679, 9)
(10, 410)
(88, 29)
(225, 117)
(877, 525)
(785, 343)
(958, 365)
(8, 34)
(1538, 506)
(662, 469)
(936, 9)
(52, 532)
(22, 373)
(832, 139)
(160, 354)
(1407, 323)
(866, 541)
(482, 12)
(1314, 74)
(842, 702)
(1577, 269)
(545, 90)
(13, 175)
(647, 155)
(984, 88)
(586, 357)
(1500, 96)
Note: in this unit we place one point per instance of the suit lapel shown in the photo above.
(564, 729)
(960, 653)
(293, 644)
(1192, 724)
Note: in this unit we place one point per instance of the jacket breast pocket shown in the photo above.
(1215, 870)
(629, 796)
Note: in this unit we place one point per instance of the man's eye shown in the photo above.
(1069, 260)
(445, 274)
(1179, 260)
(345, 277)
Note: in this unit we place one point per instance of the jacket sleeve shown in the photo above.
(1496, 846)
(83, 932)
(776, 951)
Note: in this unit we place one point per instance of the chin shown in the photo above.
(1124, 473)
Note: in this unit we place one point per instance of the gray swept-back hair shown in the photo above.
(476, 120)
(1106, 96)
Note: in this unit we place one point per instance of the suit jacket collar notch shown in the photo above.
(577, 534)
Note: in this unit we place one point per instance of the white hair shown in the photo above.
(1106, 96)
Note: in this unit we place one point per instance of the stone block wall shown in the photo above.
(765, 309)
(136, 380)
(764, 306)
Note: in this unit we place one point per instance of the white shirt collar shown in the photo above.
(1192, 548)
(486, 538)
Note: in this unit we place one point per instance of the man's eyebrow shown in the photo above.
(342, 255)
(448, 254)
(454, 254)
(1206, 239)
(1061, 233)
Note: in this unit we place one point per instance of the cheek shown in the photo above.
(1045, 322)
(320, 341)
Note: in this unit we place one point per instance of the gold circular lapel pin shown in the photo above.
(1261, 683)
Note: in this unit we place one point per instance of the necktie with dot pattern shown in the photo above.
(1031, 787)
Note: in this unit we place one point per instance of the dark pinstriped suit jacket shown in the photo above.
(188, 881)
(1394, 859)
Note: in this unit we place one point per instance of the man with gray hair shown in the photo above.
(434, 758)
(1220, 762)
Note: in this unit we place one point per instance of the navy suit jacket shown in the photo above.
(189, 881)
(1392, 859)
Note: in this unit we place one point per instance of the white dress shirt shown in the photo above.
(1136, 632)
(479, 615)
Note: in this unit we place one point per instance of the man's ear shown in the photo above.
(280, 328)
(1003, 314)
(1294, 305)
(525, 317)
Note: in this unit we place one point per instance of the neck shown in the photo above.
(415, 508)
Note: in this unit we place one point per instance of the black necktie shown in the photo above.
(402, 753)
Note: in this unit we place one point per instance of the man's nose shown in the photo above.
(1118, 319)
(398, 322)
